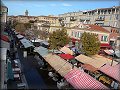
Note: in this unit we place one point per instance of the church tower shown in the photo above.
(26, 13)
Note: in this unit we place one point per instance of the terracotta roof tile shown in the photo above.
(97, 28)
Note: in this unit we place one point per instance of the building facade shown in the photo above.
(77, 31)
(101, 16)
(3, 15)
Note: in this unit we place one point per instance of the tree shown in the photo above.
(15, 22)
(90, 43)
(20, 27)
(58, 38)
(27, 25)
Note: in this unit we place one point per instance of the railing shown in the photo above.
(100, 19)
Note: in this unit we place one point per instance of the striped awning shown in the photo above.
(112, 71)
(108, 52)
(66, 50)
(80, 80)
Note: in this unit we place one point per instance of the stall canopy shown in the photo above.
(117, 53)
(80, 80)
(97, 61)
(4, 38)
(55, 51)
(20, 36)
(59, 64)
(66, 50)
(108, 52)
(26, 43)
(41, 50)
(66, 56)
(104, 60)
(89, 67)
(112, 71)
(37, 40)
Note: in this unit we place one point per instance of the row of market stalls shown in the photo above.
(24, 43)
(81, 71)
(63, 61)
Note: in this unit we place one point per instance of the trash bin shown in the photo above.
(25, 54)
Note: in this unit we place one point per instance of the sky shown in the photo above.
(55, 7)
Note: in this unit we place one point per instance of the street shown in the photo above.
(36, 79)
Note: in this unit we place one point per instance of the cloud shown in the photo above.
(66, 4)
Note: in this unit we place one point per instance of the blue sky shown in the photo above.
(55, 7)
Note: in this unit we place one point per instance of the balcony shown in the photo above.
(84, 20)
(73, 19)
(61, 18)
(100, 19)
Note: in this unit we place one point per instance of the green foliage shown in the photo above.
(14, 23)
(20, 27)
(31, 21)
(90, 43)
(27, 25)
(58, 38)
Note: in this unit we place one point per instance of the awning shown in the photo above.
(10, 74)
(37, 40)
(108, 52)
(80, 80)
(26, 43)
(45, 42)
(117, 53)
(103, 60)
(55, 51)
(89, 67)
(112, 71)
(97, 61)
(5, 33)
(66, 50)
(41, 50)
(20, 36)
(4, 38)
(74, 40)
(105, 45)
(66, 56)
(59, 64)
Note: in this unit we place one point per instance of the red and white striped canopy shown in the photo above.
(112, 71)
(80, 80)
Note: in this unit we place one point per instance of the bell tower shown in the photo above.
(26, 13)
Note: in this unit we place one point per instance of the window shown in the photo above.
(79, 34)
(75, 34)
(104, 38)
(72, 33)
